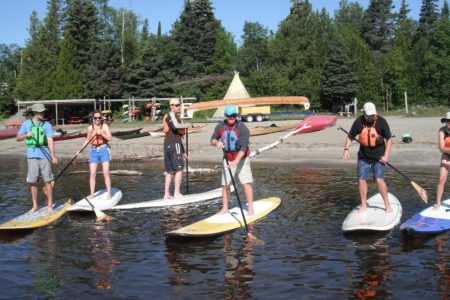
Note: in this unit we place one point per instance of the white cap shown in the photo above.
(369, 109)
(447, 117)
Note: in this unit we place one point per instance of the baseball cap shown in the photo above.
(369, 109)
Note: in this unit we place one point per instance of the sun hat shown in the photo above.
(38, 107)
(230, 110)
(447, 117)
(174, 101)
(369, 109)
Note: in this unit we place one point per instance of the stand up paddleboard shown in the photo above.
(99, 201)
(429, 221)
(375, 218)
(39, 218)
(218, 224)
(186, 199)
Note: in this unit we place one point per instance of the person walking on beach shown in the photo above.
(99, 135)
(444, 147)
(233, 137)
(173, 148)
(38, 136)
(375, 138)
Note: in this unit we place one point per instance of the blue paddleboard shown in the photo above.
(429, 221)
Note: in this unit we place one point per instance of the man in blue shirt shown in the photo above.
(38, 136)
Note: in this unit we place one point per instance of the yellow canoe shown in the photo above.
(37, 219)
(219, 224)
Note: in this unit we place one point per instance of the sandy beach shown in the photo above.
(321, 147)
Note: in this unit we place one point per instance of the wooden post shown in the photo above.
(56, 113)
(355, 106)
(406, 102)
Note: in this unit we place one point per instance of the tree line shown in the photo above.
(88, 49)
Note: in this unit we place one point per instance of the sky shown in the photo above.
(14, 15)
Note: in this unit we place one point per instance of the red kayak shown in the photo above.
(8, 133)
(69, 136)
(316, 123)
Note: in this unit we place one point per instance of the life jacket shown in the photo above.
(167, 128)
(39, 137)
(230, 139)
(369, 136)
(446, 137)
(99, 140)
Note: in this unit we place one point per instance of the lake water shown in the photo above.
(305, 255)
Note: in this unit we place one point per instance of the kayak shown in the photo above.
(39, 218)
(375, 218)
(317, 123)
(219, 224)
(186, 199)
(8, 133)
(270, 129)
(429, 221)
(69, 136)
(126, 132)
(99, 201)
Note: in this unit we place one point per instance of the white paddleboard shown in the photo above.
(375, 218)
(99, 201)
(186, 199)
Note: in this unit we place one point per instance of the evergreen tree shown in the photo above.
(428, 15)
(445, 11)
(404, 11)
(350, 14)
(254, 52)
(339, 82)
(51, 35)
(225, 52)
(378, 22)
(158, 32)
(9, 64)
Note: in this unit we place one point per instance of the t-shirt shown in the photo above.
(241, 131)
(369, 153)
(36, 152)
(173, 134)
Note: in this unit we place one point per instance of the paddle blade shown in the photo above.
(44, 189)
(422, 192)
(101, 216)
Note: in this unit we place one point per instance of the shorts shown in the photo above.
(100, 154)
(39, 164)
(173, 158)
(243, 170)
(365, 167)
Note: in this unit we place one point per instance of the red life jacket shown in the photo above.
(369, 136)
(99, 139)
(446, 139)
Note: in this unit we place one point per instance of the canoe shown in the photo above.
(295, 100)
(40, 218)
(186, 199)
(133, 136)
(126, 132)
(8, 133)
(375, 218)
(270, 129)
(156, 133)
(99, 201)
(429, 221)
(317, 123)
(219, 224)
(70, 136)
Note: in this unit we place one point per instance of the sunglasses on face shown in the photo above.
(233, 116)
(98, 118)
(176, 105)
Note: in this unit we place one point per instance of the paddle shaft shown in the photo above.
(236, 191)
(394, 168)
(187, 160)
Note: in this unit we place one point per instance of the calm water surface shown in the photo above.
(305, 254)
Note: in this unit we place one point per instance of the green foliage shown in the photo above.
(254, 52)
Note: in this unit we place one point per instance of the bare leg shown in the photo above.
(34, 193)
(382, 189)
(248, 191)
(49, 194)
(363, 195)
(178, 178)
(167, 186)
(105, 166)
(443, 173)
(93, 170)
(225, 196)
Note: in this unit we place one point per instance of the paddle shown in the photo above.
(187, 160)
(422, 192)
(239, 200)
(101, 216)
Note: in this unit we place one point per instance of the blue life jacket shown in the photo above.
(230, 139)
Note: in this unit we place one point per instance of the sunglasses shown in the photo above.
(98, 118)
(231, 116)
(176, 105)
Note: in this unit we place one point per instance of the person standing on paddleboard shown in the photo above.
(38, 136)
(444, 147)
(173, 148)
(99, 135)
(233, 136)
(375, 138)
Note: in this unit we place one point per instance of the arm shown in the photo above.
(106, 132)
(177, 125)
(385, 158)
(347, 144)
(24, 132)
(215, 138)
(354, 131)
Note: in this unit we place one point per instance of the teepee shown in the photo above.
(236, 90)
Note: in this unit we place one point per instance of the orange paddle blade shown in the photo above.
(422, 192)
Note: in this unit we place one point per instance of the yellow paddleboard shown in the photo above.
(219, 224)
(37, 219)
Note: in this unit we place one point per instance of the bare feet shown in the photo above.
(50, 209)
(362, 209)
(250, 212)
(109, 197)
(389, 210)
(167, 197)
(33, 209)
(179, 195)
(223, 211)
(436, 207)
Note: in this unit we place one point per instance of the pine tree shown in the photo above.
(158, 32)
(445, 11)
(254, 52)
(428, 15)
(225, 52)
(378, 25)
(404, 11)
(350, 14)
